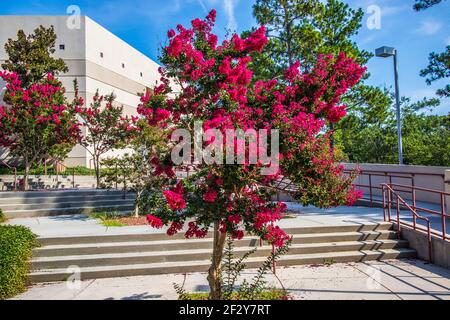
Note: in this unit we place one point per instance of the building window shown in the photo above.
(101, 54)
(123, 65)
(62, 47)
(141, 74)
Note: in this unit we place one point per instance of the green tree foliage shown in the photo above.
(135, 171)
(426, 137)
(425, 4)
(30, 56)
(302, 30)
(438, 69)
(439, 63)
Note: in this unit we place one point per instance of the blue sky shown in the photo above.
(144, 23)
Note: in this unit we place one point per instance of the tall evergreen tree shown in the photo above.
(425, 4)
(301, 30)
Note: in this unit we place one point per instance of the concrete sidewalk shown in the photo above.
(306, 217)
(391, 279)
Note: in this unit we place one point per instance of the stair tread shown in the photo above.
(174, 240)
(207, 262)
(194, 251)
(67, 202)
(68, 209)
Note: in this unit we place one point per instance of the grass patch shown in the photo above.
(109, 219)
(16, 245)
(2, 216)
(273, 294)
(113, 223)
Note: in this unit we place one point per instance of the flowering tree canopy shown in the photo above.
(103, 127)
(210, 82)
(37, 121)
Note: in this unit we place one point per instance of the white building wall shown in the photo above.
(96, 58)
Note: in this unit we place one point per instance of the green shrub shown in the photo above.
(78, 171)
(16, 245)
(2, 216)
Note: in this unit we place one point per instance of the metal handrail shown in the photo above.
(15, 173)
(387, 207)
(389, 175)
(65, 169)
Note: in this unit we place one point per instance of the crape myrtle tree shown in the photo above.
(136, 170)
(36, 122)
(212, 84)
(104, 127)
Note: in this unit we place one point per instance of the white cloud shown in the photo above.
(228, 6)
(392, 10)
(429, 27)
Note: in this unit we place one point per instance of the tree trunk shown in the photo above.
(97, 170)
(25, 175)
(215, 269)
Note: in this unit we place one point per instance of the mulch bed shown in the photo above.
(133, 221)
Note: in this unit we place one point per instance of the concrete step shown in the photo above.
(370, 231)
(67, 211)
(140, 269)
(63, 204)
(111, 259)
(57, 199)
(58, 194)
(49, 248)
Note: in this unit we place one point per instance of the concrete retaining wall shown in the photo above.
(440, 249)
(424, 177)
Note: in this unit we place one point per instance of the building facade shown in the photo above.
(98, 59)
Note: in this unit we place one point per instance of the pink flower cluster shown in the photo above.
(175, 198)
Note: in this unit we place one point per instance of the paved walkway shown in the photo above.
(83, 225)
(391, 279)
(306, 216)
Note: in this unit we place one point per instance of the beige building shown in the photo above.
(96, 57)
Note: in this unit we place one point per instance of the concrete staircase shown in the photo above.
(53, 203)
(123, 255)
(50, 182)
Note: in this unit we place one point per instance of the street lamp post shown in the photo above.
(385, 52)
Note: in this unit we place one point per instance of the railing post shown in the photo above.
(383, 188)
(389, 203)
(73, 178)
(443, 215)
(398, 215)
(414, 205)
(370, 188)
(15, 179)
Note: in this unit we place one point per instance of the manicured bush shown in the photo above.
(16, 244)
(79, 171)
(2, 216)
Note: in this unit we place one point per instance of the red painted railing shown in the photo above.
(391, 199)
(15, 173)
(388, 177)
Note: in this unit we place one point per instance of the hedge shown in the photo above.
(2, 216)
(16, 245)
